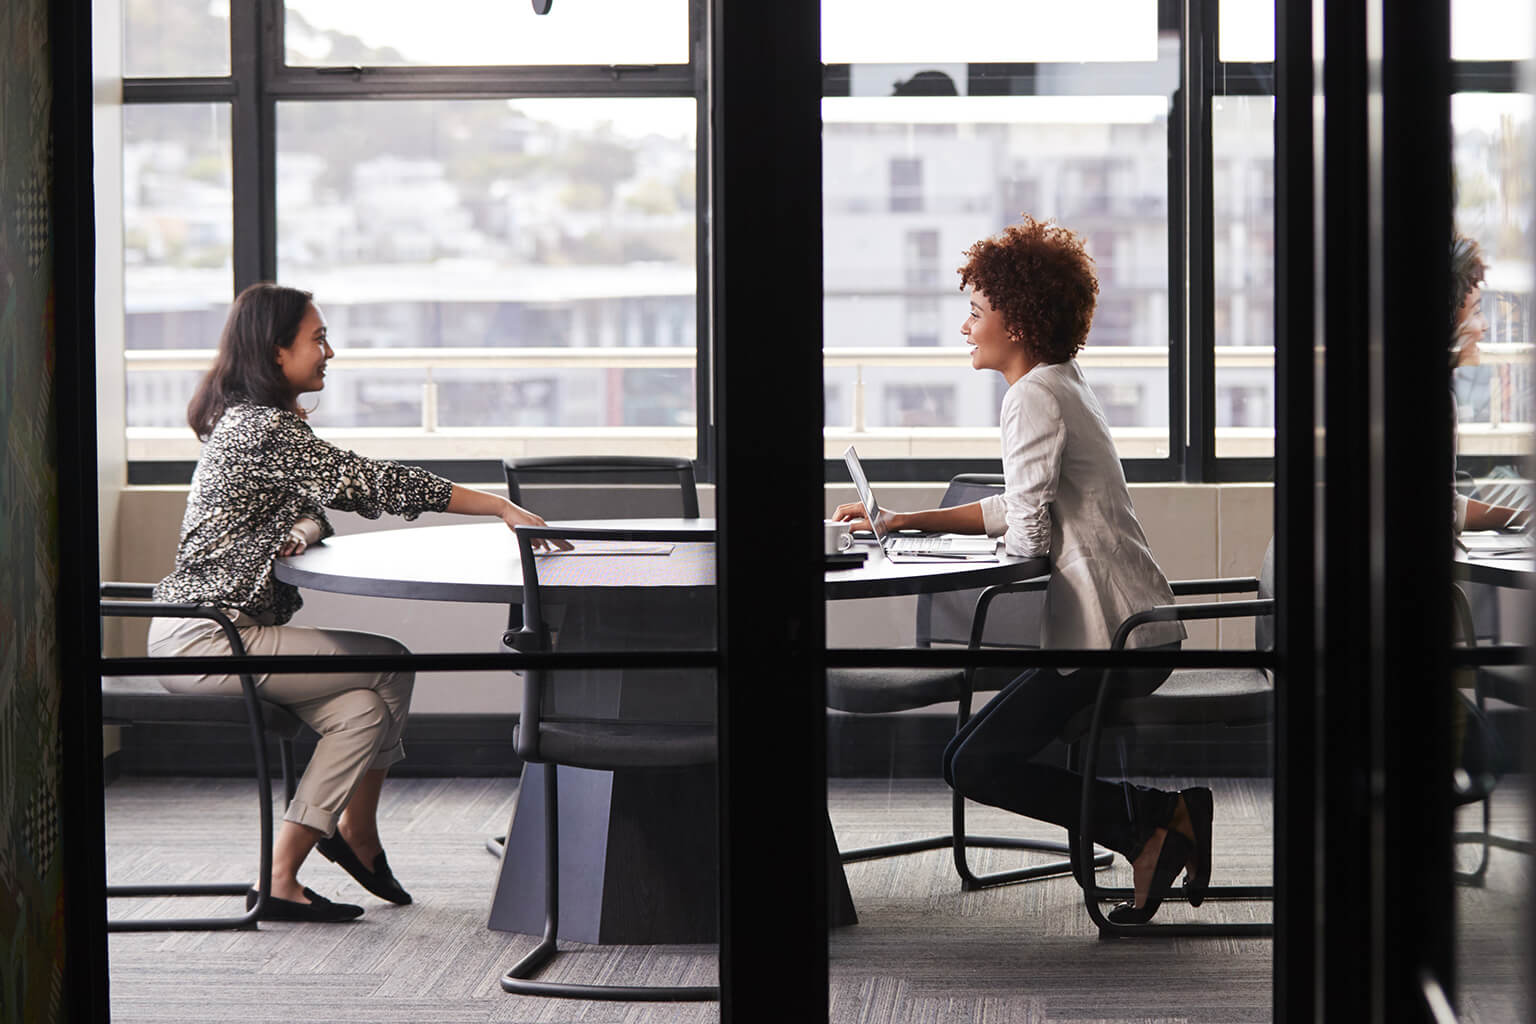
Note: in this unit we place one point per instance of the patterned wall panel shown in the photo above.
(31, 873)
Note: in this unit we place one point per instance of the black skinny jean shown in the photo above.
(990, 758)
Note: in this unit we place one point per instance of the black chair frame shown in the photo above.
(534, 637)
(132, 600)
(1093, 894)
(577, 467)
(957, 840)
(1485, 837)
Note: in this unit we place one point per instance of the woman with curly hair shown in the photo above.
(259, 493)
(1467, 329)
(1033, 292)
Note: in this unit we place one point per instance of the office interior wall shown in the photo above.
(1195, 530)
(32, 877)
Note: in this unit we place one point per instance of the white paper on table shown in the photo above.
(610, 547)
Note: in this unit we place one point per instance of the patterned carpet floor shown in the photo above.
(924, 951)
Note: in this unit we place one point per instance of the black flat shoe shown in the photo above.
(380, 881)
(1202, 808)
(1171, 859)
(318, 909)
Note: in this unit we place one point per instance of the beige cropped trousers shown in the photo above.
(360, 717)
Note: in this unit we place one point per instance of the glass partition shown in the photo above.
(1491, 359)
(929, 147)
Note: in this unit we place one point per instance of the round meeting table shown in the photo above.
(649, 836)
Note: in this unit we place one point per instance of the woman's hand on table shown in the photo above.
(300, 536)
(853, 514)
(516, 515)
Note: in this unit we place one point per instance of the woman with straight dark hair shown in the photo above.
(259, 493)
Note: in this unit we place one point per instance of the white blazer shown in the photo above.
(1065, 496)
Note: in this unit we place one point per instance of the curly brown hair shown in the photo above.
(1467, 270)
(1037, 275)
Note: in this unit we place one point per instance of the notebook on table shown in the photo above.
(919, 547)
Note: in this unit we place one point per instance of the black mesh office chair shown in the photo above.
(1230, 697)
(947, 618)
(555, 731)
(599, 487)
(139, 701)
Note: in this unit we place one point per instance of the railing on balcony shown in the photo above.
(430, 440)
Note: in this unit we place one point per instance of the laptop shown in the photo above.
(919, 547)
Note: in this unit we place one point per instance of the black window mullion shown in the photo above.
(252, 148)
(178, 90)
(704, 318)
(1197, 292)
(348, 82)
(1178, 415)
(1489, 75)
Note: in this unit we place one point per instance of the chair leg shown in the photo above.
(958, 842)
(1093, 894)
(264, 874)
(970, 881)
(518, 980)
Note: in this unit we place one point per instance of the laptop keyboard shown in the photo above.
(921, 545)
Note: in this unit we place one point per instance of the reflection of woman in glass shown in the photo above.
(1033, 292)
(258, 493)
(1467, 330)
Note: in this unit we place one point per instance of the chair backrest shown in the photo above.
(1014, 619)
(607, 486)
(581, 710)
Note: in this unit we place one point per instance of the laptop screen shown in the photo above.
(866, 495)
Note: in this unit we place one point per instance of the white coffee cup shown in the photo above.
(837, 537)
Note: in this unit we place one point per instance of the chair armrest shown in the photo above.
(134, 590)
(986, 597)
(1180, 612)
(1221, 585)
(168, 610)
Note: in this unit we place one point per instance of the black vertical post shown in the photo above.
(1345, 736)
(766, 203)
(1297, 823)
(1410, 508)
(72, 210)
(1196, 299)
(252, 143)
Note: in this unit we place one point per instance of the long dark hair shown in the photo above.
(263, 318)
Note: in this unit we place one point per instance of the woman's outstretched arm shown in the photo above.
(469, 502)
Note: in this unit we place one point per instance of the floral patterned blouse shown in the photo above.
(262, 470)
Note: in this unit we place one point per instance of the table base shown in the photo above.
(639, 861)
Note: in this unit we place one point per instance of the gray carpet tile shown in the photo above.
(924, 951)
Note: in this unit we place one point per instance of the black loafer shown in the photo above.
(318, 909)
(1201, 809)
(380, 881)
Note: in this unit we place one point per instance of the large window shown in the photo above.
(501, 226)
(935, 136)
